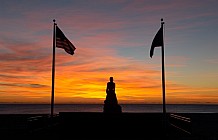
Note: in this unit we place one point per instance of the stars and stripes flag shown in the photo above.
(63, 42)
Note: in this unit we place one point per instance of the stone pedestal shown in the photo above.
(111, 104)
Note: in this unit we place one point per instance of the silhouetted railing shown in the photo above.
(39, 122)
(181, 123)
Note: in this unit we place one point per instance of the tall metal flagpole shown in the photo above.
(163, 79)
(53, 70)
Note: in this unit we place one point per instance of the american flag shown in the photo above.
(63, 42)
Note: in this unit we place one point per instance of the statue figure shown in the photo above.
(111, 104)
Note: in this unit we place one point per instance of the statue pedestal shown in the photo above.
(112, 108)
(111, 104)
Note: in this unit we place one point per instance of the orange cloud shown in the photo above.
(81, 78)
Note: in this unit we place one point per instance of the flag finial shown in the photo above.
(162, 22)
(54, 20)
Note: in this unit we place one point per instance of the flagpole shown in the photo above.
(53, 70)
(163, 80)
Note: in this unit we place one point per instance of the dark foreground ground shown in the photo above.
(87, 125)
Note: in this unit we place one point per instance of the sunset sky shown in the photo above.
(112, 38)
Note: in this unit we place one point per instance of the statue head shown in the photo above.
(111, 79)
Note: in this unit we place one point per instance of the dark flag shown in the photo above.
(63, 42)
(157, 41)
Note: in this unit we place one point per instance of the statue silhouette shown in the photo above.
(111, 103)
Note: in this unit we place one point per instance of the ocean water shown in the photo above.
(131, 108)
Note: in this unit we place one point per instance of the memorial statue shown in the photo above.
(110, 103)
